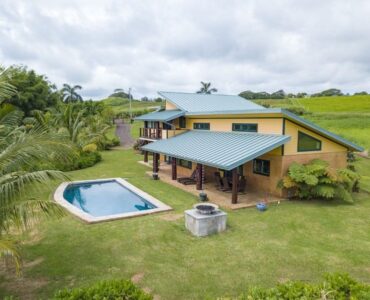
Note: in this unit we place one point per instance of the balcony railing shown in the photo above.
(151, 133)
(158, 133)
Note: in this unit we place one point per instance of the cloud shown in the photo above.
(173, 45)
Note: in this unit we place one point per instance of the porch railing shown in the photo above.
(151, 133)
(158, 133)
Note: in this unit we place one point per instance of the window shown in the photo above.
(201, 126)
(261, 166)
(245, 127)
(182, 122)
(308, 143)
(185, 163)
(167, 126)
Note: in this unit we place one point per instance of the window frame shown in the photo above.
(202, 123)
(253, 124)
(300, 133)
(260, 172)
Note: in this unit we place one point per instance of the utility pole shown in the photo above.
(130, 109)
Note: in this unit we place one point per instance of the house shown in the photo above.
(238, 138)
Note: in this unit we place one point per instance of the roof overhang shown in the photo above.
(223, 150)
(162, 116)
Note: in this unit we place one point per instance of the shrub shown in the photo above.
(114, 142)
(90, 148)
(88, 159)
(317, 180)
(298, 110)
(334, 286)
(107, 290)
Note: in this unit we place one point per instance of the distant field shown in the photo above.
(123, 105)
(348, 116)
(328, 104)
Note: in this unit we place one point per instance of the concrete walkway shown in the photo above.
(123, 131)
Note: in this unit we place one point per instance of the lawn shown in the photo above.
(293, 240)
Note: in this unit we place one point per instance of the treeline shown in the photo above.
(280, 94)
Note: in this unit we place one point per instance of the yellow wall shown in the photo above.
(290, 148)
(264, 125)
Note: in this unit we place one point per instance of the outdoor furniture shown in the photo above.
(241, 184)
(188, 180)
(219, 183)
(226, 184)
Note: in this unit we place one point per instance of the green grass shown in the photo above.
(293, 240)
(122, 105)
(347, 116)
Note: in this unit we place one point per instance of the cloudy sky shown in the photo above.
(172, 45)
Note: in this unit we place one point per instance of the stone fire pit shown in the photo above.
(205, 219)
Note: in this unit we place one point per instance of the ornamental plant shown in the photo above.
(317, 179)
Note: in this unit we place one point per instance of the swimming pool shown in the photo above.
(106, 199)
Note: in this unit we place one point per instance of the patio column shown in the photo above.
(234, 192)
(200, 176)
(174, 168)
(155, 166)
(146, 156)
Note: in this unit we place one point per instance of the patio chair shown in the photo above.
(219, 183)
(188, 180)
(226, 184)
(241, 185)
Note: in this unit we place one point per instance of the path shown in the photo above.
(123, 131)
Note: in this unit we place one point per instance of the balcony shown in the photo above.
(158, 133)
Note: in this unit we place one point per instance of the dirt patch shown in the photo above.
(25, 288)
(31, 264)
(171, 217)
(137, 277)
(123, 131)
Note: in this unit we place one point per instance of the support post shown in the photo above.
(174, 168)
(200, 176)
(146, 156)
(235, 179)
(155, 166)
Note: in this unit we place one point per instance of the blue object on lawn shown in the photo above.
(261, 206)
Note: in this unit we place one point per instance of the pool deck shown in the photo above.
(223, 199)
(59, 198)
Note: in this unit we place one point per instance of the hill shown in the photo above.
(122, 105)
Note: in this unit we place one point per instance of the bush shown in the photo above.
(334, 286)
(298, 110)
(318, 180)
(107, 290)
(88, 159)
(114, 142)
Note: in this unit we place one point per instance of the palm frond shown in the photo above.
(9, 251)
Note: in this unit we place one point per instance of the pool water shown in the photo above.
(105, 198)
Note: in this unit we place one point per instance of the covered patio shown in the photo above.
(225, 151)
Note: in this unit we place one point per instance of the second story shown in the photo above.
(214, 112)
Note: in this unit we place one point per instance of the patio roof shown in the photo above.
(163, 116)
(223, 150)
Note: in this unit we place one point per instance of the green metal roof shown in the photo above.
(223, 150)
(332, 136)
(192, 102)
(163, 116)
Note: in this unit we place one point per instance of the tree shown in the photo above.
(25, 161)
(33, 91)
(280, 94)
(206, 88)
(119, 93)
(328, 93)
(70, 94)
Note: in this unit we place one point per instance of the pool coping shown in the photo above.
(58, 197)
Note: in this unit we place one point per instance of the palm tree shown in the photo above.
(22, 153)
(69, 93)
(205, 88)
